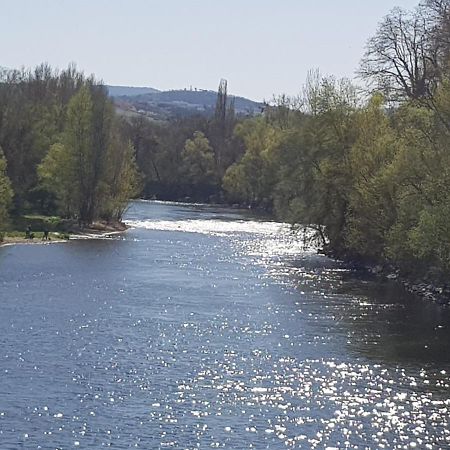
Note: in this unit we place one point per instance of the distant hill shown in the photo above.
(163, 105)
(129, 91)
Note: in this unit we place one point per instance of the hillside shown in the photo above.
(129, 91)
(175, 103)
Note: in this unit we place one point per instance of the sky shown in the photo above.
(262, 47)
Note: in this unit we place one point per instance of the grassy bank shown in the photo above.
(58, 229)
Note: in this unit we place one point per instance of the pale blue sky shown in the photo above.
(262, 47)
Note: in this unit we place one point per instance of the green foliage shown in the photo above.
(220, 129)
(93, 171)
(56, 173)
(122, 179)
(67, 151)
(6, 192)
(78, 142)
(371, 207)
(36, 222)
(198, 160)
(252, 179)
(375, 181)
(32, 116)
(429, 239)
(315, 176)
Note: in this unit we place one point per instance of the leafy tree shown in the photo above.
(251, 180)
(57, 175)
(328, 137)
(221, 129)
(6, 193)
(123, 180)
(145, 138)
(78, 142)
(198, 160)
(92, 171)
(372, 199)
(32, 116)
(421, 170)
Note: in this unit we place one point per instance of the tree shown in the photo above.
(419, 237)
(33, 106)
(221, 129)
(122, 181)
(438, 12)
(329, 136)
(402, 59)
(372, 198)
(6, 193)
(282, 111)
(92, 171)
(78, 142)
(57, 175)
(143, 135)
(198, 160)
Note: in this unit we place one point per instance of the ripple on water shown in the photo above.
(204, 329)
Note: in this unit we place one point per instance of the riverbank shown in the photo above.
(97, 230)
(168, 317)
(424, 286)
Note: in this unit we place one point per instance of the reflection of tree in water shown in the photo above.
(381, 320)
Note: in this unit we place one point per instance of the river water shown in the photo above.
(203, 327)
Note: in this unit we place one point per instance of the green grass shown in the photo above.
(15, 234)
(37, 223)
(56, 226)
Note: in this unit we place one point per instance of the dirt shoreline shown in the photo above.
(96, 231)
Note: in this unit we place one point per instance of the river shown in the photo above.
(205, 327)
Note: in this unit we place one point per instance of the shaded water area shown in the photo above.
(203, 327)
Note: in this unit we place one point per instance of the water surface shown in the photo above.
(204, 327)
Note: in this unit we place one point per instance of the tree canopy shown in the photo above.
(62, 152)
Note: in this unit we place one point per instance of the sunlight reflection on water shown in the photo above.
(204, 328)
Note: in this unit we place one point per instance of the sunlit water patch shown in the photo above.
(208, 328)
(261, 239)
(212, 227)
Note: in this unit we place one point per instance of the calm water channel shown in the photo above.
(204, 328)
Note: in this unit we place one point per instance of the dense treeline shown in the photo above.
(371, 174)
(65, 151)
(186, 158)
(62, 147)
